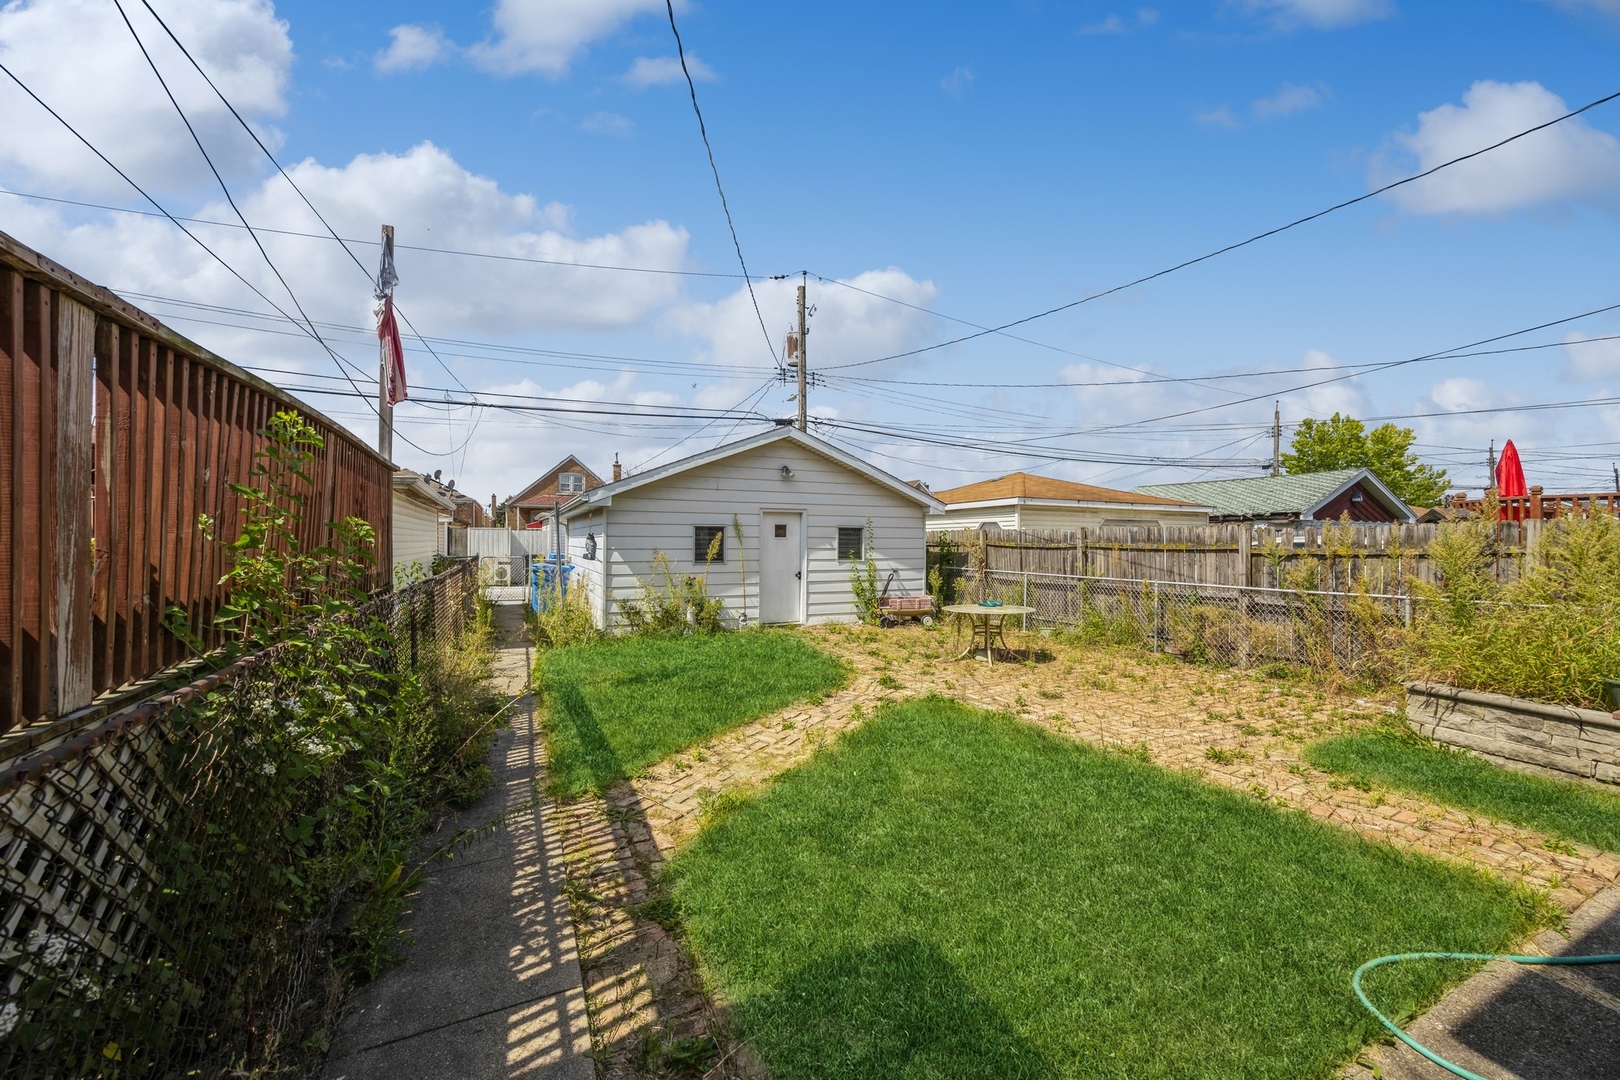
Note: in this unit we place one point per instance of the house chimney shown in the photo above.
(618, 470)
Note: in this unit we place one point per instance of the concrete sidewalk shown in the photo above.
(1511, 1022)
(492, 986)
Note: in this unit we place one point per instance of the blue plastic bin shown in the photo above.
(543, 583)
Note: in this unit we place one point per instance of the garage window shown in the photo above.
(705, 536)
(851, 543)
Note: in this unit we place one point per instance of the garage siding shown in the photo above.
(416, 534)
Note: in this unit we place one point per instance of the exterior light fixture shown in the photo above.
(787, 473)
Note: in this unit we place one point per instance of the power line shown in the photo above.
(1353, 375)
(1240, 244)
(171, 218)
(691, 87)
(1152, 376)
(223, 187)
(1256, 374)
(346, 240)
(672, 367)
(260, 143)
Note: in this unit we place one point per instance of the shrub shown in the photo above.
(1552, 635)
(673, 606)
(863, 582)
(568, 621)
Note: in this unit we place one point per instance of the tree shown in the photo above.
(1343, 442)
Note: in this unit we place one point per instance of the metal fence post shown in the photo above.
(1155, 643)
(1025, 618)
(1406, 611)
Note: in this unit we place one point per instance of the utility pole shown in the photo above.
(1490, 459)
(804, 356)
(385, 408)
(1276, 438)
(1616, 469)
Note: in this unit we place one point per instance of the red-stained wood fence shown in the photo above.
(116, 433)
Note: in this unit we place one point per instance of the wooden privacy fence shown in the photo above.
(1332, 556)
(116, 433)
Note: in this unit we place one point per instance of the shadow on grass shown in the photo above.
(570, 707)
(898, 1008)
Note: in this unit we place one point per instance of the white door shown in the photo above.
(781, 568)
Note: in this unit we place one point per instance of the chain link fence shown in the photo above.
(1230, 625)
(156, 868)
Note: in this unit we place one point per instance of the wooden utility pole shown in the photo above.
(804, 357)
(1276, 439)
(385, 410)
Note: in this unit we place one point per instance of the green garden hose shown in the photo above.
(1355, 983)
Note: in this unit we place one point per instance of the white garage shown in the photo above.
(802, 505)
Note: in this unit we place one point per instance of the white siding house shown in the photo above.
(417, 508)
(802, 505)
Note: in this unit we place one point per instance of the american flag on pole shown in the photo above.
(393, 368)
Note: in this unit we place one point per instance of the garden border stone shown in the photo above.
(1531, 736)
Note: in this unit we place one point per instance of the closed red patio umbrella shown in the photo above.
(1510, 480)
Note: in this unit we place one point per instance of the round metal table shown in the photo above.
(988, 623)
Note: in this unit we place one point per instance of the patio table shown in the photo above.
(987, 623)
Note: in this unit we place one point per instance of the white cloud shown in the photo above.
(602, 122)
(79, 57)
(432, 202)
(1318, 14)
(848, 326)
(413, 47)
(1591, 361)
(958, 82)
(1218, 116)
(1570, 161)
(666, 70)
(545, 36)
(1114, 24)
(1288, 100)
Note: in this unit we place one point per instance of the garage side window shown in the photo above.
(851, 543)
(707, 538)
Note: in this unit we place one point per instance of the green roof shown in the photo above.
(1265, 496)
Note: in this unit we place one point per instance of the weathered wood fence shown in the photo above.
(1333, 556)
(115, 434)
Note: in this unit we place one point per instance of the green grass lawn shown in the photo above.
(952, 893)
(624, 703)
(1563, 809)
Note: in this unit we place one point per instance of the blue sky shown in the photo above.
(983, 161)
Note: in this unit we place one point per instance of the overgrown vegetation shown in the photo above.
(950, 893)
(1552, 635)
(863, 580)
(671, 605)
(566, 621)
(299, 790)
(622, 704)
(1398, 758)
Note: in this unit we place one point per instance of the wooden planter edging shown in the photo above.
(1554, 740)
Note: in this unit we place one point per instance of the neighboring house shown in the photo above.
(1294, 497)
(803, 505)
(567, 481)
(418, 507)
(468, 510)
(1021, 501)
